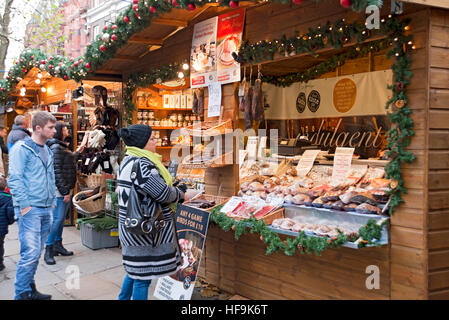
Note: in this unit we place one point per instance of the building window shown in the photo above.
(96, 32)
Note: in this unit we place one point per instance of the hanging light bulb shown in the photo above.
(39, 75)
(38, 81)
(43, 89)
(185, 66)
(180, 75)
(22, 93)
(23, 89)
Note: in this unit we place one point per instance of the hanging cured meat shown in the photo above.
(257, 102)
(198, 101)
(245, 88)
(247, 110)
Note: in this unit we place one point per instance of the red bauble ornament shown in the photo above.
(135, 1)
(114, 27)
(71, 59)
(102, 48)
(153, 9)
(88, 65)
(50, 58)
(20, 60)
(191, 6)
(43, 62)
(50, 67)
(136, 7)
(32, 57)
(7, 77)
(80, 61)
(234, 4)
(76, 64)
(137, 16)
(126, 19)
(113, 37)
(346, 3)
(24, 70)
(65, 77)
(297, 1)
(105, 28)
(174, 3)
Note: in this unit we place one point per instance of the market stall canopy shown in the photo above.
(433, 3)
(156, 36)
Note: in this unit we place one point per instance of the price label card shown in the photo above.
(231, 204)
(262, 147)
(251, 147)
(106, 164)
(87, 162)
(306, 162)
(114, 233)
(242, 156)
(342, 164)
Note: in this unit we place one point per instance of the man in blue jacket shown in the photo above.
(32, 184)
(19, 131)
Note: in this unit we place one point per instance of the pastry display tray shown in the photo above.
(331, 217)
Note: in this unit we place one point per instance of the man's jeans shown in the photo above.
(34, 228)
(58, 221)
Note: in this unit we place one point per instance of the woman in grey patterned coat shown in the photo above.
(144, 257)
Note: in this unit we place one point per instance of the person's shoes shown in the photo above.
(58, 249)
(34, 294)
(48, 257)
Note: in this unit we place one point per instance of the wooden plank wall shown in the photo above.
(241, 266)
(438, 157)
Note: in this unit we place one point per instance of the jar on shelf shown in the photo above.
(150, 114)
(139, 115)
(159, 142)
(180, 117)
(173, 117)
(145, 115)
(157, 123)
(165, 142)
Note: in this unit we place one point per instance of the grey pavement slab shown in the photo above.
(90, 287)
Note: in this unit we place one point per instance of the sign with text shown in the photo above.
(342, 163)
(306, 162)
(214, 41)
(203, 56)
(214, 101)
(359, 94)
(191, 230)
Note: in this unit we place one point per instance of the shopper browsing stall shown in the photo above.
(65, 178)
(155, 254)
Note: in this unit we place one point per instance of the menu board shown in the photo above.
(214, 101)
(342, 163)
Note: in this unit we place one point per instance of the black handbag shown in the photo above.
(140, 218)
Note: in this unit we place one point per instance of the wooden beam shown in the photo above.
(124, 57)
(432, 3)
(146, 41)
(170, 22)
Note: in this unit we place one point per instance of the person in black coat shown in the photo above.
(65, 179)
(6, 217)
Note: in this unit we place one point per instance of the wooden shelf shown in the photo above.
(166, 128)
(169, 109)
(171, 147)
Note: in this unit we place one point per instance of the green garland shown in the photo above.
(327, 66)
(132, 20)
(303, 243)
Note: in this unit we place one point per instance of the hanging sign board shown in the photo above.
(359, 94)
(191, 226)
(229, 38)
(214, 41)
(214, 101)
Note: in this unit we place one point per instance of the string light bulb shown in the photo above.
(43, 89)
(185, 66)
(38, 81)
(181, 75)
(39, 75)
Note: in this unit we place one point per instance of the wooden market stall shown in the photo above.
(415, 263)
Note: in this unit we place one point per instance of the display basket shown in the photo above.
(91, 205)
(219, 200)
(209, 128)
(267, 219)
(216, 162)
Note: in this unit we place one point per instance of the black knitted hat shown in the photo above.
(136, 135)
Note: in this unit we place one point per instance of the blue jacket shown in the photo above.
(17, 133)
(6, 212)
(31, 182)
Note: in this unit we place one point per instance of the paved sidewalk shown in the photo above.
(101, 271)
